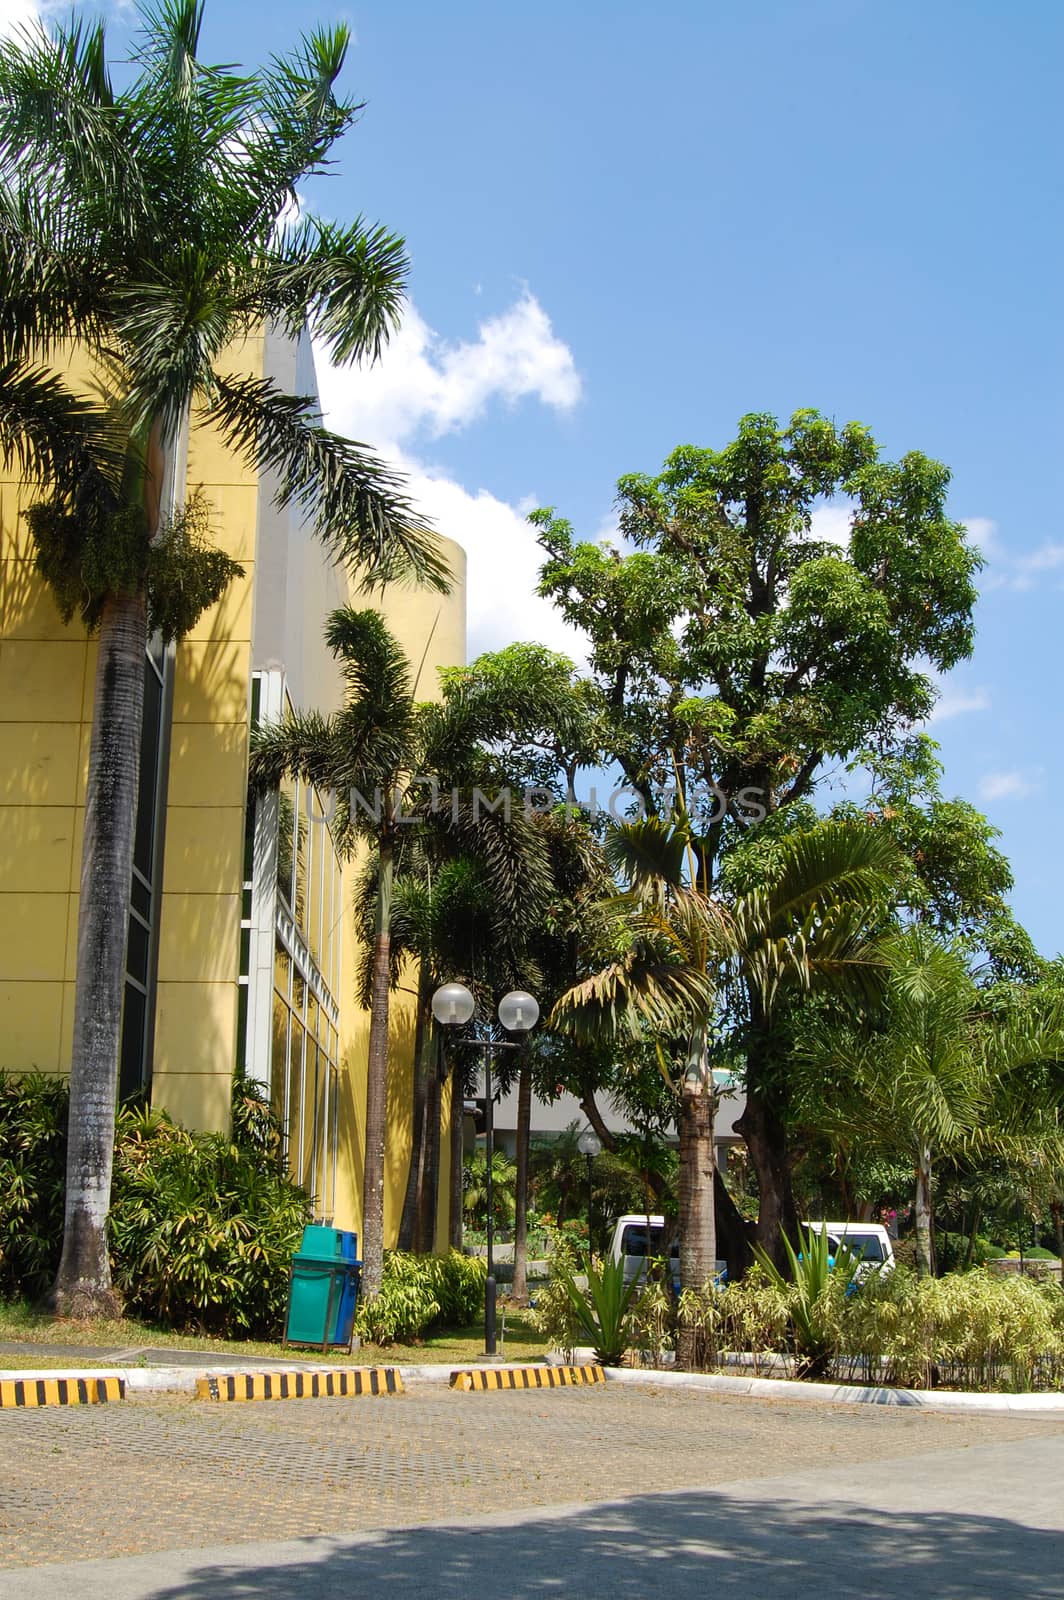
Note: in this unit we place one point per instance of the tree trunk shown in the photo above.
(766, 1139)
(519, 1289)
(83, 1283)
(922, 1213)
(410, 1221)
(698, 1230)
(1056, 1211)
(973, 1233)
(428, 1200)
(377, 1083)
(455, 1218)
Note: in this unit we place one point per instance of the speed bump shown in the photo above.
(525, 1377)
(300, 1385)
(60, 1391)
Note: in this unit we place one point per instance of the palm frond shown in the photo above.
(58, 438)
(347, 283)
(633, 995)
(358, 508)
(303, 744)
(647, 853)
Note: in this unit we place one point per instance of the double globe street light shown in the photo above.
(453, 1006)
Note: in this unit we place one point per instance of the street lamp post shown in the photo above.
(453, 1006)
(589, 1145)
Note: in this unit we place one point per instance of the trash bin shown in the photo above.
(323, 1288)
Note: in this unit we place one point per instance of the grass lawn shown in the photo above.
(451, 1346)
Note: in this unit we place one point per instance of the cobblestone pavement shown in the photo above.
(156, 1474)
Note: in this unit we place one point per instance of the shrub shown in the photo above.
(420, 1291)
(552, 1313)
(601, 1311)
(33, 1116)
(816, 1292)
(202, 1230)
(751, 1317)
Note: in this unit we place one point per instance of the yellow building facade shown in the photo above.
(242, 948)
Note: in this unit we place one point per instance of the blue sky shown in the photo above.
(631, 224)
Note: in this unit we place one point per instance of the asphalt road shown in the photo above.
(614, 1493)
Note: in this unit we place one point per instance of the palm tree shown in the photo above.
(807, 930)
(663, 980)
(145, 228)
(688, 964)
(934, 1075)
(359, 755)
(366, 755)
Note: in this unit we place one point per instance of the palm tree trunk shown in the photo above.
(455, 1220)
(698, 1229)
(377, 1081)
(83, 1283)
(410, 1222)
(519, 1289)
(428, 1199)
(922, 1212)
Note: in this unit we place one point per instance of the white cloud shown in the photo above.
(1020, 572)
(957, 702)
(16, 14)
(1014, 785)
(831, 523)
(984, 534)
(503, 566)
(424, 384)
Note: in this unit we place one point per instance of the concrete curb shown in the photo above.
(541, 1376)
(183, 1380)
(838, 1393)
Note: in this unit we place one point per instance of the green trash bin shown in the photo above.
(322, 1289)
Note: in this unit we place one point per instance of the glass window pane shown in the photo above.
(296, 1133)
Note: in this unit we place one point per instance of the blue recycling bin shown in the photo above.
(323, 1288)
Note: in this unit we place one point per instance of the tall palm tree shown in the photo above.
(144, 228)
(359, 755)
(368, 754)
(688, 965)
(663, 979)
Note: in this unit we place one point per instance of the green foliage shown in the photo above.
(971, 1331)
(85, 557)
(418, 1292)
(977, 1331)
(652, 1323)
(602, 1310)
(552, 1313)
(816, 1290)
(33, 1115)
(202, 1230)
(475, 1187)
(752, 1317)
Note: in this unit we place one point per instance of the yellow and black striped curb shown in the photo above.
(300, 1385)
(525, 1377)
(60, 1391)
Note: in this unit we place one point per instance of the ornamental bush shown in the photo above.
(201, 1227)
(971, 1330)
(33, 1118)
(418, 1292)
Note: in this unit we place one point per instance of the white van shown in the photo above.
(638, 1235)
(870, 1241)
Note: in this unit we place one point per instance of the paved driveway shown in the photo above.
(761, 1498)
